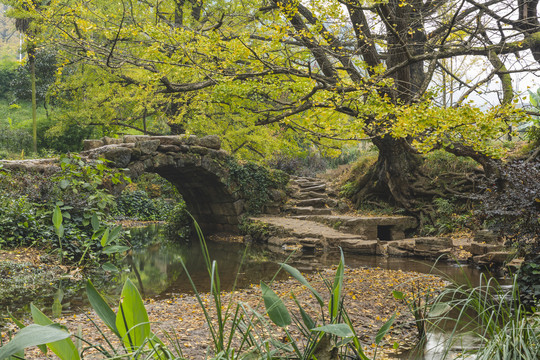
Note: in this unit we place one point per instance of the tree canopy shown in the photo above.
(326, 70)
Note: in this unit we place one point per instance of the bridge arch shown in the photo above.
(197, 167)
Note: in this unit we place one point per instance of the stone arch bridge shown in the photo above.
(196, 166)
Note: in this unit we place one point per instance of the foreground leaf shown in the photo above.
(132, 320)
(33, 335)
(104, 311)
(276, 309)
(65, 349)
(341, 330)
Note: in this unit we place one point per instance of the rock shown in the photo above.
(161, 160)
(147, 146)
(317, 188)
(486, 236)
(433, 243)
(481, 249)
(342, 207)
(394, 251)
(119, 155)
(514, 265)
(272, 209)
(359, 246)
(199, 149)
(210, 141)
(316, 202)
(112, 141)
(169, 148)
(169, 140)
(92, 144)
(309, 210)
(192, 140)
(134, 138)
(277, 195)
(499, 257)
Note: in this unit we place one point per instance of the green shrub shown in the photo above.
(15, 140)
(179, 222)
(8, 73)
(137, 205)
(256, 183)
(21, 223)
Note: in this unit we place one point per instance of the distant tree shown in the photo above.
(45, 73)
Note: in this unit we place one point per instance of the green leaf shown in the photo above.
(308, 321)
(65, 349)
(115, 232)
(57, 218)
(102, 309)
(64, 183)
(132, 319)
(333, 306)
(105, 238)
(276, 309)
(341, 330)
(439, 309)
(115, 249)
(298, 276)
(384, 329)
(109, 267)
(33, 335)
(398, 295)
(95, 222)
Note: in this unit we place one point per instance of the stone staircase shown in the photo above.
(315, 219)
(312, 220)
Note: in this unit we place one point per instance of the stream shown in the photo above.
(156, 266)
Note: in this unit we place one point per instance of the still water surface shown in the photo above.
(156, 266)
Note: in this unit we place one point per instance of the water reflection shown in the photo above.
(156, 264)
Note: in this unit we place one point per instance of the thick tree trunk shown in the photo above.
(392, 177)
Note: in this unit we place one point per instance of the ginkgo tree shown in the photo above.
(328, 69)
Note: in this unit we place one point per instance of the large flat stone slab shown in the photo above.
(370, 227)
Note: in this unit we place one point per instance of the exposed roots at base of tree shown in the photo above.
(415, 194)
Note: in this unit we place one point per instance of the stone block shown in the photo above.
(433, 243)
(192, 140)
(239, 206)
(188, 160)
(169, 140)
(161, 160)
(394, 251)
(169, 148)
(360, 246)
(112, 141)
(120, 156)
(222, 154)
(210, 141)
(147, 146)
(481, 249)
(134, 138)
(199, 149)
(136, 169)
(486, 236)
(92, 144)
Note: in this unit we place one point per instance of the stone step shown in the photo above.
(310, 210)
(309, 234)
(317, 188)
(370, 227)
(308, 195)
(315, 202)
